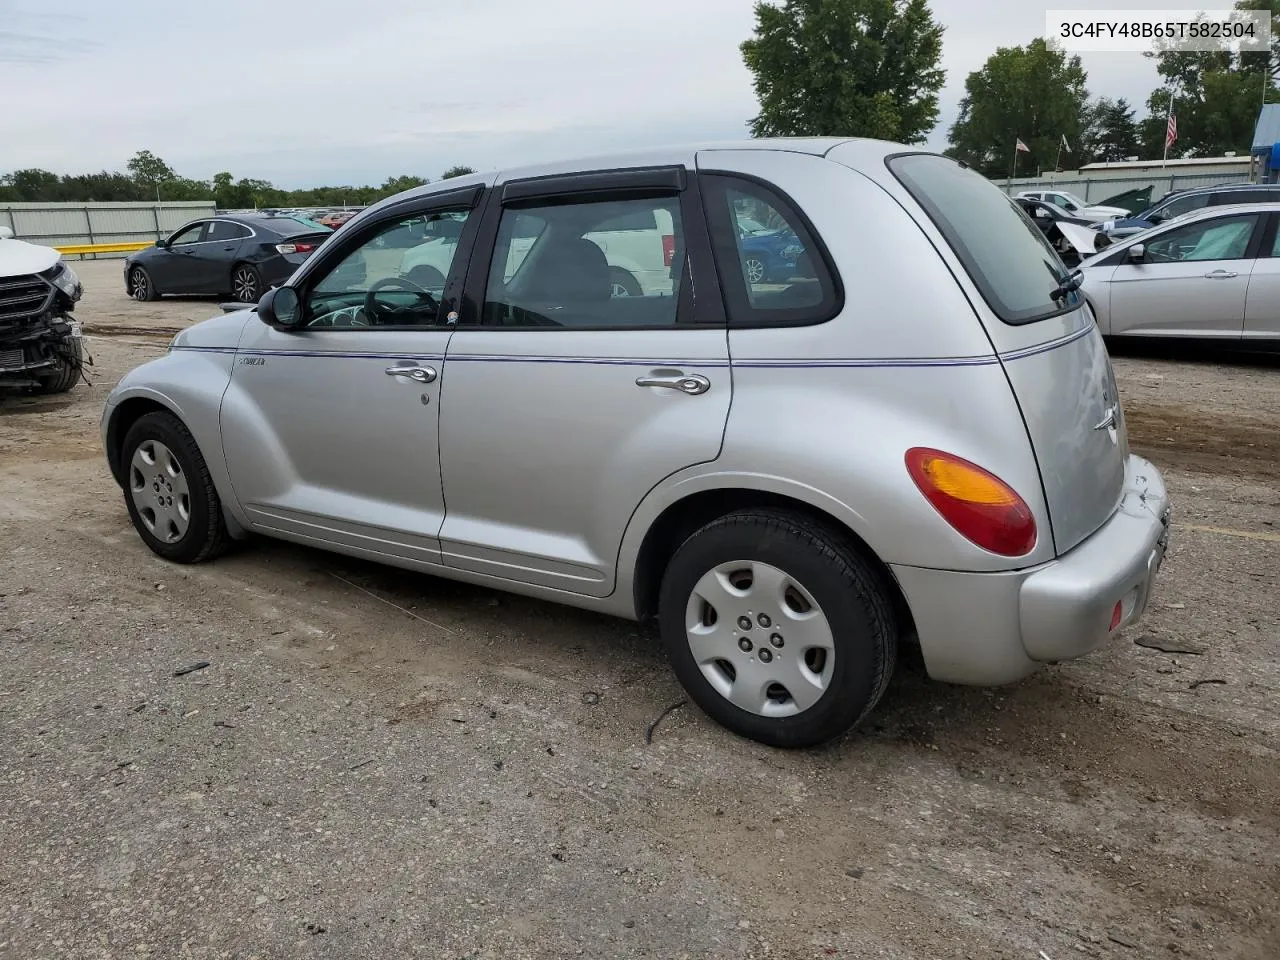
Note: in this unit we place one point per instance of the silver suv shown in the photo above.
(906, 427)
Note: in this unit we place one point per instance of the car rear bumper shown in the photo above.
(992, 628)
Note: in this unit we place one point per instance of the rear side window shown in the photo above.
(1004, 253)
(1181, 205)
(773, 268)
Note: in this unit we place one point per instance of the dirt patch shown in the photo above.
(1185, 437)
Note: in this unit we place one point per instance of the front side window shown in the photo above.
(187, 235)
(587, 263)
(1225, 239)
(395, 278)
(1007, 257)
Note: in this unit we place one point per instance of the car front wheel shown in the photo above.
(778, 630)
(169, 492)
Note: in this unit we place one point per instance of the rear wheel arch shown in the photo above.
(681, 519)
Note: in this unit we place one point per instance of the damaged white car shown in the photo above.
(41, 346)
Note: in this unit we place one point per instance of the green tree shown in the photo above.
(1217, 94)
(1112, 132)
(401, 183)
(1035, 94)
(150, 171)
(456, 171)
(866, 68)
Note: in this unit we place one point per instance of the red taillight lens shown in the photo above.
(978, 504)
(295, 247)
(668, 249)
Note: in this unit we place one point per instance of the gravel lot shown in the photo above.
(467, 774)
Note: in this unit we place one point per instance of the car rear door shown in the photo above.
(563, 404)
(213, 257)
(1050, 348)
(1192, 279)
(1262, 301)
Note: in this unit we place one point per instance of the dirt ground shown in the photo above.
(382, 764)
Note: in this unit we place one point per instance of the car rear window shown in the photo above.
(1004, 253)
(291, 226)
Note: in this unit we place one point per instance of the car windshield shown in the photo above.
(1009, 259)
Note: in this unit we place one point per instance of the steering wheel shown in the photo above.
(386, 314)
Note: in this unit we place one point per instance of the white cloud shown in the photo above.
(331, 91)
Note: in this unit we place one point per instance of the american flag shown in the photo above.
(1171, 133)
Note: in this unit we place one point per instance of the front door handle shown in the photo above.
(421, 374)
(693, 383)
(1220, 274)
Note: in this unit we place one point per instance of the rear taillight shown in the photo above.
(295, 247)
(668, 249)
(978, 504)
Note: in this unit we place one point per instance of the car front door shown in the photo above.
(1192, 280)
(173, 267)
(213, 256)
(565, 403)
(1262, 302)
(330, 429)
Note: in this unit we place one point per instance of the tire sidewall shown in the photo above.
(168, 430)
(858, 648)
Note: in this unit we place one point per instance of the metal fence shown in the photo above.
(1097, 189)
(73, 224)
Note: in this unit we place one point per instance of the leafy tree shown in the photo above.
(28, 186)
(1112, 132)
(1033, 93)
(150, 170)
(404, 182)
(456, 171)
(1217, 95)
(865, 68)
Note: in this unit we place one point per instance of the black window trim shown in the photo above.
(976, 276)
(695, 310)
(737, 305)
(465, 198)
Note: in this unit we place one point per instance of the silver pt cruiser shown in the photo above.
(798, 400)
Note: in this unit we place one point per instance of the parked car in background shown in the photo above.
(41, 346)
(1177, 203)
(1211, 273)
(1074, 205)
(917, 436)
(241, 255)
(1073, 237)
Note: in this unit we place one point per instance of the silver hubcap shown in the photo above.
(618, 290)
(759, 638)
(246, 287)
(159, 490)
(755, 270)
(139, 285)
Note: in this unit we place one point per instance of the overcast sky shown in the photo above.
(307, 92)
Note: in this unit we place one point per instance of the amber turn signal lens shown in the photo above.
(976, 503)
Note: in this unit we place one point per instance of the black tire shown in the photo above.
(624, 281)
(206, 535)
(66, 372)
(141, 286)
(850, 593)
(246, 283)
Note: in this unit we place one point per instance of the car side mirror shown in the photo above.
(161, 243)
(280, 308)
(1138, 252)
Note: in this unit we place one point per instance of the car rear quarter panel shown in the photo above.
(825, 413)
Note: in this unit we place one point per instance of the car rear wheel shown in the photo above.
(754, 270)
(777, 629)
(140, 285)
(246, 283)
(169, 492)
(623, 284)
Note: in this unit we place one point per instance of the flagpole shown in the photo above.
(1165, 162)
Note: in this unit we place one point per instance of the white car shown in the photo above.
(41, 346)
(1075, 206)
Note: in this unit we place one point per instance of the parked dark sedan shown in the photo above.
(240, 254)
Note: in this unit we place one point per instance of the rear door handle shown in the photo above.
(1220, 274)
(421, 374)
(693, 383)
